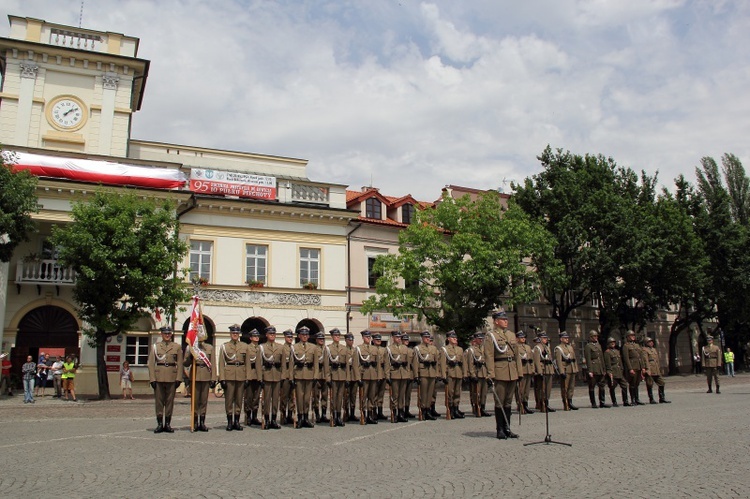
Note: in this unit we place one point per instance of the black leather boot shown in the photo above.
(625, 402)
(352, 415)
(650, 391)
(717, 389)
(427, 415)
(549, 409)
(159, 426)
(369, 419)
(300, 421)
(254, 419)
(507, 423)
(202, 425)
(401, 416)
(662, 399)
(460, 413)
(247, 418)
(710, 386)
(593, 400)
(602, 401)
(482, 412)
(408, 414)
(308, 424)
(527, 408)
(570, 404)
(381, 416)
(230, 423)
(237, 426)
(323, 418)
(317, 415)
(500, 424)
(434, 413)
(168, 425)
(274, 425)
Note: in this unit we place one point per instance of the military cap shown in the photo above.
(499, 314)
(334, 331)
(166, 330)
(630, 333)
(405, 336)
(270, 330)
(542, 334)
(254, 332)
(593, 333)
(320, 335)
(520, 334)
(564, 334)
(709, 337)
(425, 334)
(611, 340)
(376, 336)
(288, 332)
(451, 334)
(648, 339)
(349, 336)
(538, 339)
(235, 328)
(365, 333)
(303, 330)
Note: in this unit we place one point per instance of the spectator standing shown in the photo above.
(729, 362)
(5, 384)
(42, 371)
(28, 370)
(57, 370)
(126, 380)
(68, 378)
(697, 364)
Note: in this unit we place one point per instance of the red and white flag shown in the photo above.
(196, 325)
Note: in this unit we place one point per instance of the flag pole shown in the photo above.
(196, 288)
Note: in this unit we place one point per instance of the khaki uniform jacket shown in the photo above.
(202, 372)
(543, 360)
(304, 361)
(632, 356)
(165, 362)
(475, 363)
(397, 362)
(503, 361)
(320, 358)
(452, 362)
(272, 361)
(426, 361)
(337, 362)
(411, 373)
(652, 361)
(382, 362)
(254, 364)
(232, 361)
(366, 363)
(350, 352)
(711, 356)
(286, 360)
(613, 363)
(565, 358)
(594, 358)
(527, 359)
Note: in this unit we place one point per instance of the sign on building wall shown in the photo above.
(388, 322)
(243, 185)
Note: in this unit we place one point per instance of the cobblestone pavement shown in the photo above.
(695, 447)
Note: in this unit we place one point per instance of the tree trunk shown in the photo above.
(101, 365)
(677, 327)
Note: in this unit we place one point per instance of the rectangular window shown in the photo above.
(372, 276)
(407, 213)
(255, 263)
(200, 259)
(373, 209)
(136, 350)
(309, 267)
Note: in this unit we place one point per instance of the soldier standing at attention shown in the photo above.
(336, 368)
(476, 368)
(543, 372)
(366, 374)
(232, 375)
(565, 357)
(272, 362)
(653, 373)
(350, 398)
(596, 370)
(425, 365)
(286, 405)
(711, 355)
(320, 390)
(205, 378)
(452, 372)
(165, 377)
(254, 377)
(635, 366)
(527, 367)
(397, 376)
(377, 341)
(409, 373)
(504, 369)
(613, 365)
(304, 374)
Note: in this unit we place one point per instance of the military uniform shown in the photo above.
(366, 373)
(205, 378)
(452, 372)
(337, 375)
(320, 388)
(653, 373)
(711, 356)
(567, 366)
(504, 368)
(272, 364)
(165, 375)
(635, 366)
(594, 357)
(397, 377)
(233, 370)
(476, 367)
(527, 368)
(350, 396)
(410, 375)
(425, 366)
(382, 368)
(304, 363)
(613, 366)
(254, 378)
(286, 397)
(544, 369)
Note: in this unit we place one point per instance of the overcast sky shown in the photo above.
(409, 96)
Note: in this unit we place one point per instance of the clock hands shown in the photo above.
(69, 111)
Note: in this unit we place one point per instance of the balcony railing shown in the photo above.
(74, 39)
(44, 272)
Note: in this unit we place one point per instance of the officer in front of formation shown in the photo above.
(527, 365)
(233, 367)
(596, 370)
(504, 369)
(452, 373)
(336, 365)
(165, 375)
(544, 369)
(567, 366)
(253, 381)
(425, 367)
(272, 363)
(635, 366)
(205, 378)
(476, 368)
(613, 366)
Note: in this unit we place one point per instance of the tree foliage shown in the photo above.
(125, 252)
(17, 202)
(458, 261)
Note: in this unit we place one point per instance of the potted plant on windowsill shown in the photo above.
(254, 283)
(200, 281)
(310, 285)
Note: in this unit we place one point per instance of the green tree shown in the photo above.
(125, 251)
(17, 202)
(458, 260)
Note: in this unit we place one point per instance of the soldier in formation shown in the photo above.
(253, 381)
(635, 366)
(397, 377)
(350, 395)
(272, 366)
(615, 373)
(409, 373)
(377, 341)
(165, 375)
(304, 368)
(426, 373)
(527, 368)
(544, 369)
(653, 372)
(336, 366)
(452, 374)
(596, 369)
(476, 367)
(286, 398)
(366, 374)
(232, 362)
(205, 378)
(320, 387)
(567, 367)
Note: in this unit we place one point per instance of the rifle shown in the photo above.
(390, 397)
(419, 400)
(361, 405)
(260, 406)
(330, 401)
(447, 406)
(294, 404)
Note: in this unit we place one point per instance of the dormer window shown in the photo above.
(407, 213)
(373, 208)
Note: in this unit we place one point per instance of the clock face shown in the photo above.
(67, 113)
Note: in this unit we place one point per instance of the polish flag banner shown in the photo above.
(196, 325)
(99, 172)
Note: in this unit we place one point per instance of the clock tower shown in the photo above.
(69, 89)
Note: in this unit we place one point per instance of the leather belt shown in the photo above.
(500, 359)
(166, 364)
(235, 363)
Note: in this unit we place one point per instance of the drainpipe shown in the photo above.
(349, 274)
